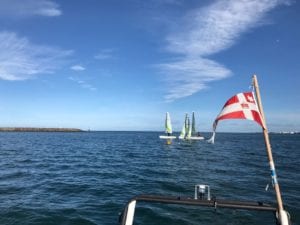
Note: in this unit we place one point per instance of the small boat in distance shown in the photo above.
(188, 131)
(168, 127)
(194, 134)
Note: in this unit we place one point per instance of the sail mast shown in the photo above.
(282, 213)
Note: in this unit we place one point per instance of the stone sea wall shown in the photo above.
(36, 129)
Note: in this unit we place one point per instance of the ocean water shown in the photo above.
(87, 178)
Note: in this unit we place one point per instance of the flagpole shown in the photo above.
(269, 151)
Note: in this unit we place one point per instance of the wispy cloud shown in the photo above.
(105, 54)
(77, 68)
(204, 32)
(190, 75)
(83, 84)
(25, 8)
(21, 60)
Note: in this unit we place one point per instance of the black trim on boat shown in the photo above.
(213, 203)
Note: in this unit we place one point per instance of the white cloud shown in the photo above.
(21, 60)
(83, 84)
(190, 75)
(25, 8)
(77, 68)
(105, 54)
(207, 31)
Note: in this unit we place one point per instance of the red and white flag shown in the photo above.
(240, 106)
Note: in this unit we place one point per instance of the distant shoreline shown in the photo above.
(37, 129)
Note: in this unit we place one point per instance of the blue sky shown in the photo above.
(120, 65)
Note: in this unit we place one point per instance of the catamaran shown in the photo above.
(188, 131)
(168, 127)
(242, 106)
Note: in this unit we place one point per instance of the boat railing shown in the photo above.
(127, 216)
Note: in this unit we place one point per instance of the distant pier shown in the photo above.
(37, 129)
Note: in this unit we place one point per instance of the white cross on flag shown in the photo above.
(240, 106)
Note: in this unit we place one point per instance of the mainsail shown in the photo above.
(168, 124)
(193, 125)
(184, 128)
(168, 130)
(189, 129)
(194, 134)
(182, 133)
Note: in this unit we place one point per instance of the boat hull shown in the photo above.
(191, 138)
(196, 138)
(166, 137)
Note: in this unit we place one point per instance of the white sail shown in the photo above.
(168, 127)
(194, 133)
(182, 134)
(168, 124)
(186, 124)
(189, 128)
(184, 128)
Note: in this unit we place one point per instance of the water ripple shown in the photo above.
(86, 178)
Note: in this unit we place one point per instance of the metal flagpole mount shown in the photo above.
(202, 191)
(282, 215)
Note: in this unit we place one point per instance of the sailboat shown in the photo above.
(188, 131)
(193, 135)
(168, 127)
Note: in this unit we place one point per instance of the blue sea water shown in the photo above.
(86, 178)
